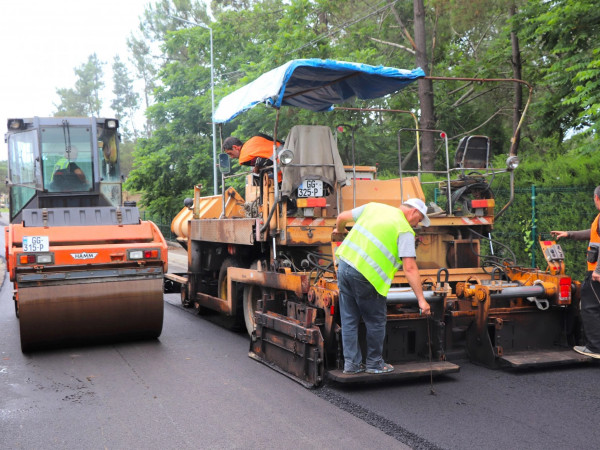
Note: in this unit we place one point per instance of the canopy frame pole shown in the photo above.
(276, 184)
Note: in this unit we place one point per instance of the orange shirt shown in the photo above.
(255, 147)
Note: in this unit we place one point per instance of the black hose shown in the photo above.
(266, 225)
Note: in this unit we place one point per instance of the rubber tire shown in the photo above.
(233, 322)
(252, 293)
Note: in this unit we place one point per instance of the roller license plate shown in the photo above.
(310, 188)
(36, 244)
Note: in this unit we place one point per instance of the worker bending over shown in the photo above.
(260, 146)
(381, 240)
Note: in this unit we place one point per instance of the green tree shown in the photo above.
(126, 150)
(566, 34)
(178, 154)
(126, 101)
(84, 98)
(480, 38)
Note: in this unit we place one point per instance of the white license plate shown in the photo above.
(311, 188)
(36, 244)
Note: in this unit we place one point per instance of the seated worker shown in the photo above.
(66, 173)
(259, 146)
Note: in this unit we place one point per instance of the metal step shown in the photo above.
(402, 371)
(542, 358)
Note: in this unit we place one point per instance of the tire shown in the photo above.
(252, 294)
(233, 322)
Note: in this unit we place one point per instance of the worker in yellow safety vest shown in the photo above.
(67, 164)
(381, 240)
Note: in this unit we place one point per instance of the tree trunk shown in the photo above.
(427, 119)
(518, 95)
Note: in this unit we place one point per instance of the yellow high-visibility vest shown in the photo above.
(372, 244)
(61, 164)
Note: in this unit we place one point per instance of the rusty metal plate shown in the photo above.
(299, 284)
(231, 231)
(90, 312)
(286, 346)
(404, 371)
(542, 358)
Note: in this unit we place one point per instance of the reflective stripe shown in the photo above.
(594, 241)
(369, 260)
(372, 244)
(61, 164)
(377, 243)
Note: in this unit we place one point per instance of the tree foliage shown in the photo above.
(558, 55)
(126, 101)
(84, 98)
(564, 34)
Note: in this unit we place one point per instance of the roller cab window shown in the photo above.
(24, 169)
(67, 158)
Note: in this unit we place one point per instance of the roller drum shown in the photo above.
(81, 313)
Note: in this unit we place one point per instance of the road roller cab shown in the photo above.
(84, 267)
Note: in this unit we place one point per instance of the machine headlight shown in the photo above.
(286, 156)
(16, 124)
(512, 163)
(111, 123)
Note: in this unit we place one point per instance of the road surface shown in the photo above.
(195, 387)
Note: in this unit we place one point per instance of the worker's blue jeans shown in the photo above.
(359, 298)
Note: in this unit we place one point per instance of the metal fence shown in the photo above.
(536, 211)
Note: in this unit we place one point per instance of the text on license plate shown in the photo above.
(36, 244)
(310, 188)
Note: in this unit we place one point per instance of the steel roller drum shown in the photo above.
(81, 313)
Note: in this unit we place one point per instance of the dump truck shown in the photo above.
(84, 267)
(266, 259)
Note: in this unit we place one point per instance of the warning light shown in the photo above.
(565, 290)
(443, 135)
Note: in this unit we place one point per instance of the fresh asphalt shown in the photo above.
(195, 387)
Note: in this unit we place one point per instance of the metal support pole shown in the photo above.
(214, 126)
(533, 226)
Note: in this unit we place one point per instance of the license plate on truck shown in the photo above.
(36, 244)
(310, 188)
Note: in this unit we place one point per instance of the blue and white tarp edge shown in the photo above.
(270, 88)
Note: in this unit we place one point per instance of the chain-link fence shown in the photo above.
(536, 211)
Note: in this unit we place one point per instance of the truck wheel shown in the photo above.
(252, 294)
(237, 321)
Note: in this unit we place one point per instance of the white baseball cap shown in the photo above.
(420, 205)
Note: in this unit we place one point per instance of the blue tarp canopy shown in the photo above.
(316, 85)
